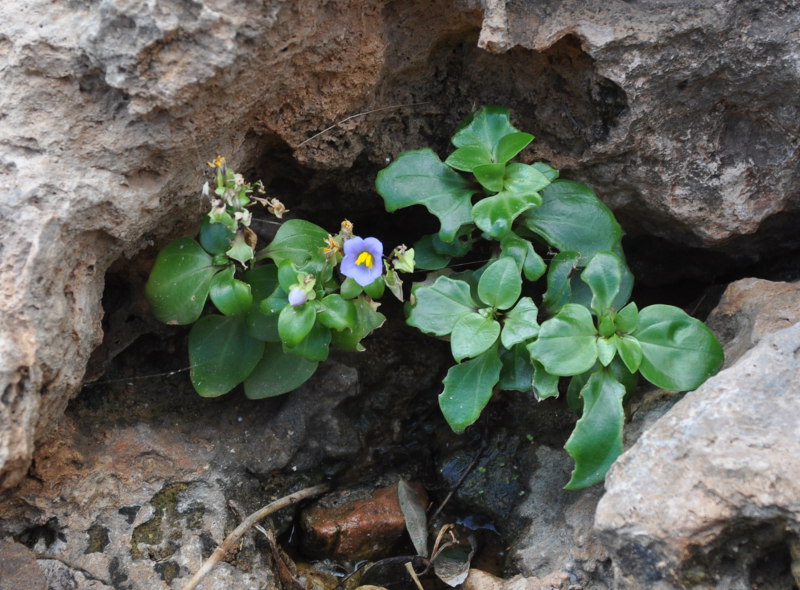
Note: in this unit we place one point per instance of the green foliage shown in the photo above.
(513, 321)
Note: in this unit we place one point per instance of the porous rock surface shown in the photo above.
(677, 113)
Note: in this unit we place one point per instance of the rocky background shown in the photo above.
(683, 116)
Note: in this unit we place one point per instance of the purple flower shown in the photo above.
(363, 260)
(297, 296)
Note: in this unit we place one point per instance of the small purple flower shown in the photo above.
(297, 297)
(363, 260)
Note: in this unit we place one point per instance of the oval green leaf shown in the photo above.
(439, 306)
(277, 373)
(215, 238)
(500, 284)
(221, 354)
(178, 285)
(297, 240)
(468, 388)
(520, 324)
(472, 335)
(603, 274)
(567, 344)
(678, 351)
(229, 295)
(294, 323)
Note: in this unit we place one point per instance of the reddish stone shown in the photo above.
(355, 524)
(18, 568)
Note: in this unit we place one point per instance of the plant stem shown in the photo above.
(232, 539)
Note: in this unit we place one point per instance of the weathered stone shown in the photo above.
(355, 524)
(749, 310)
(111, 108)
(18, 568)
(479, 580)
(708, 496)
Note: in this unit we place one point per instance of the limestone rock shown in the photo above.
(749, 310)
(18, 568)
(709, 495)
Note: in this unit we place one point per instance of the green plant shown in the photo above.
(280, 309)
(589, 331)
(514, 321)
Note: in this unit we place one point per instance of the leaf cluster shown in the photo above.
(518, 322)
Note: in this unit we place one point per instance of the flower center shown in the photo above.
(366, 259)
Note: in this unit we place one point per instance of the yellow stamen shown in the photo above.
(365, 258)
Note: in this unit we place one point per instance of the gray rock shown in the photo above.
(709, 495)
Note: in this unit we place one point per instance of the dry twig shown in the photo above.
(230, 541)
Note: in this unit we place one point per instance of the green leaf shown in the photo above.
(277, 372)
(567, 342)
(469, 157)
(215, 238)
(596, 441)
(458, 247)
(559, 280)
(603, 274)
(495, 215)
(490, 176)
(548, 171)
(294, 323)
(221, 354)
(262, 280)
(521, 250)
(510, 145)
(607, 349)
(337, 313)
(517, 371)
(315, 346)
(426, 257)
(297, 240)
(367, 320)
(627, 318)
(618, 369)
(420, 178)
(350, 289)
(376, 288)
(500, 284)
(229, 295)
(275, 303)
(630, 351)
(525, 180)
(572, 218)
(179, 282)
(468, 388)
(472, 335)
(287, 275)
(520, 324)
(240, 250)
(678, 351)
(486, 128)
(544, 384)
(438, 307)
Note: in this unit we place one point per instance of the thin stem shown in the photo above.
(232, 539)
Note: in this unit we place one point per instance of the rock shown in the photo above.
(749, 310)
(355, 524)
(708, 496)
(18, 568)
(479, 580)
(686, 135)
(559, 538)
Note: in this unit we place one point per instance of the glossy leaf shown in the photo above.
(439, 306)
(603, 274)
(178, 285)
(277, 373)
(500, 284)
(630, 351)
(296, 240)
(486, 128)
(524, 179)
(495, 215)
(517, 370)
(419, 177)
(240, 250)
(337, 313)
(221, 354)
(678, 351)
(559, 280)
(520, 324)
(350, 289)
(490, 176)
(215, 238)
(596, 441)
(468, 388)
(607, 349)
(510, 145)
(294, 323)
(469, 157)
(566, 344)
(376, 288)
(426, 257)
(544, 384)
(229, 295)
(548, 171)
(627, 319)
(367, 320)
(315, 346)
(472, 335)
(521, 250)
(263, 281)
(572, 218)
